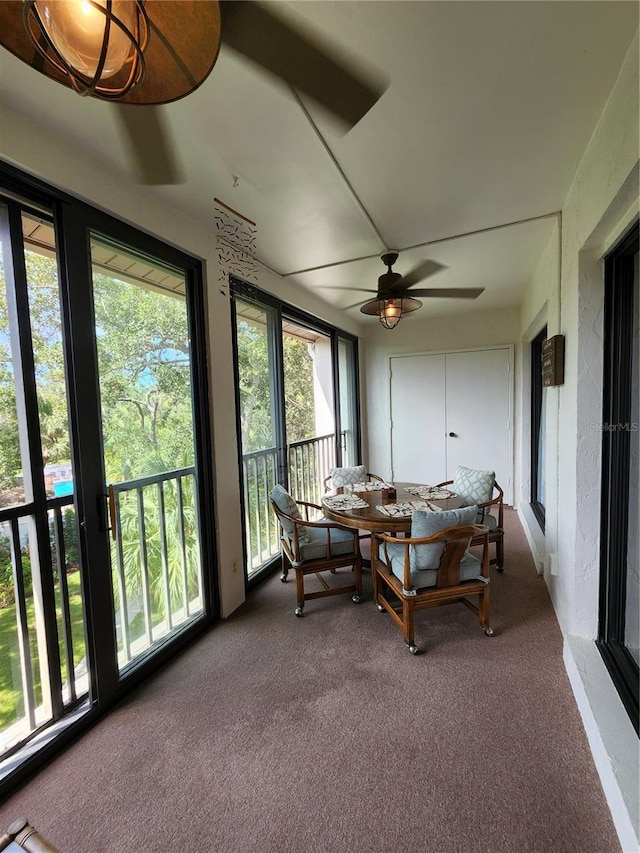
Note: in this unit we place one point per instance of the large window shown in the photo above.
(619, 569)
(538, 429)
(105, 472)
(297, 410)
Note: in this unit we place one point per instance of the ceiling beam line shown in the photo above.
(340, 170)
(486, 230)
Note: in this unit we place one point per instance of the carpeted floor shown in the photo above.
(323, 733)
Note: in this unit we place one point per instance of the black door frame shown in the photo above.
(73, 221)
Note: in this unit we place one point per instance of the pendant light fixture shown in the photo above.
(131, 51)
(390, 309)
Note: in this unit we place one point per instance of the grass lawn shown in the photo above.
(11, 704)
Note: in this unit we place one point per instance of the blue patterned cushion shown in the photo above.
(315, 548)
(474, 487)
(424, 560)
(346, 476)
(283, 500)
(424, 524)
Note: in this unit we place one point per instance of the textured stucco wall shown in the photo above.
(597, 207)
(602, 203)
(540, 307)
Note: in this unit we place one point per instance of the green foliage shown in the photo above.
(298, 385)
(11, 703)
(7, 591)
(174, 543)
(143, 356)
(255, 387)
(256, 392)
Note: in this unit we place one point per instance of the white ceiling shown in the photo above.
(488, 110)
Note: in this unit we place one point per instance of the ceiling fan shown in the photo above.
(153, 52)
(393, 298)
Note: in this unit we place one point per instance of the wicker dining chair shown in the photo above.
(313, 547)
(432, 567)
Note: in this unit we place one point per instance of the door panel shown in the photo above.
(347, 403)
(478, 410)
(144, 369)
(418, 419)
(41, 596)
(464, 393)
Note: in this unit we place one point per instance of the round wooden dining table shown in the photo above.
(372, 519)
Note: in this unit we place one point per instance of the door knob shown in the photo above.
(452, 435)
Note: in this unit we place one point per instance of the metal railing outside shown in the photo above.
(155, 558)
(23, 684)
(309, 464)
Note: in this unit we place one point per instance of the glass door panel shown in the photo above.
(287, 410)
(309, 409)
(43, 668)
(260, 426)
(348, 399)
(145, 380)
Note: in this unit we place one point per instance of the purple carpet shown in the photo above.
(323, 733)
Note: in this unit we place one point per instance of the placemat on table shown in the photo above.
(339, 502)
(433, 493)
(404, 508)
(369, 486)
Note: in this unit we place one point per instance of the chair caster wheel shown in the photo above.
(501, 569)
(380, 608)
(298, 611)
(355, 598)
(333, 571)
(283, 578)
(488, 631)
(413, 649)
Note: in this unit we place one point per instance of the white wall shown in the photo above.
(540, 307)
(23, 144)
(601, 204)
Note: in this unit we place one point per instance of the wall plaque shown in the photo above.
(553, 361)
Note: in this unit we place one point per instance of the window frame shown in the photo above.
(617, 382)
(285, 311)
(537, 401)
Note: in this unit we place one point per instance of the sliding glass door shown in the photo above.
(148, 446)
(261, 419)
(297, 410)
(42, 630)
(105, 469)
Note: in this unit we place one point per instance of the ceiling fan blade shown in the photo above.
(300, 61)
(423, 270)
(358, 304)
(350, 289)
(449, 292)
(149, 145)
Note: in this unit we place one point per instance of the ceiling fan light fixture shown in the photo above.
(390, 313)
(390, 309)
(98, 45)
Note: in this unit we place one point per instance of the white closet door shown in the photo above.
(478, 394)
(418, 419)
